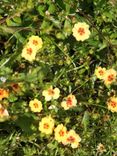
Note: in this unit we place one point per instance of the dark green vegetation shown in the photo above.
(63, 62)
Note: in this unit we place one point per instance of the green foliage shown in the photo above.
(62, 62)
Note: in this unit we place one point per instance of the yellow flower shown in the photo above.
(100, 72)
(36, 42)
(72, 138)
(81, 31)
(60, 133)
(112, 104)
(51, 93)
(29, 53)
(4, 115)
(46, 125)
(31, 48)
(69, 102)
(35, 105)
(3, 93)
(110, 76)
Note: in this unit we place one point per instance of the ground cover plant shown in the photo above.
(58, 78)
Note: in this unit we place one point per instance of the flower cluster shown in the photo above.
(108, 76)
(46, 126)
(31, 48)
(67, 137)
(53, 93)
(64, 42)
(67, 103)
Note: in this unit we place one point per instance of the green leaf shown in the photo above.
(60, 35)
(52, 146)
(85, 120)
(102, 46)
(24, 122)
(67, 27)
(5, 29)
(46, 27)
(19, 37)
(11, 22)
(17, 20)
(12, 98)
(51, 9)
(55, 22)
(41, 9)
(60, 4)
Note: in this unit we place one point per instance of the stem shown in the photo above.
(97, 106)
(34, 144)
(55, 81)
(5, 62)
(64, 53)
(80, 86)
(76, 68)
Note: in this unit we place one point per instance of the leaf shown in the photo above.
(41, 9)
(19, 37)
(5, 29)
(51, 146)
(60, 4)
(11, 22)
(51, 8)
(60, 35)
(85, 120)
(17, 20)
(25, 122)
(67, 8)
(55, 22)
(102, 46)
(67, 27)
(46, 27)
(12, 98)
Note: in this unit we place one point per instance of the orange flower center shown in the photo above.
(71, 139)
(1, 92)
(29, 51)
(111, 77)
(81, 31)
(35, 42)
(51, 92)
(35, 105)
(46, 126)
(101, 72)
(1, 111)
(69, 101)
(113, 104)
(61, 133)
